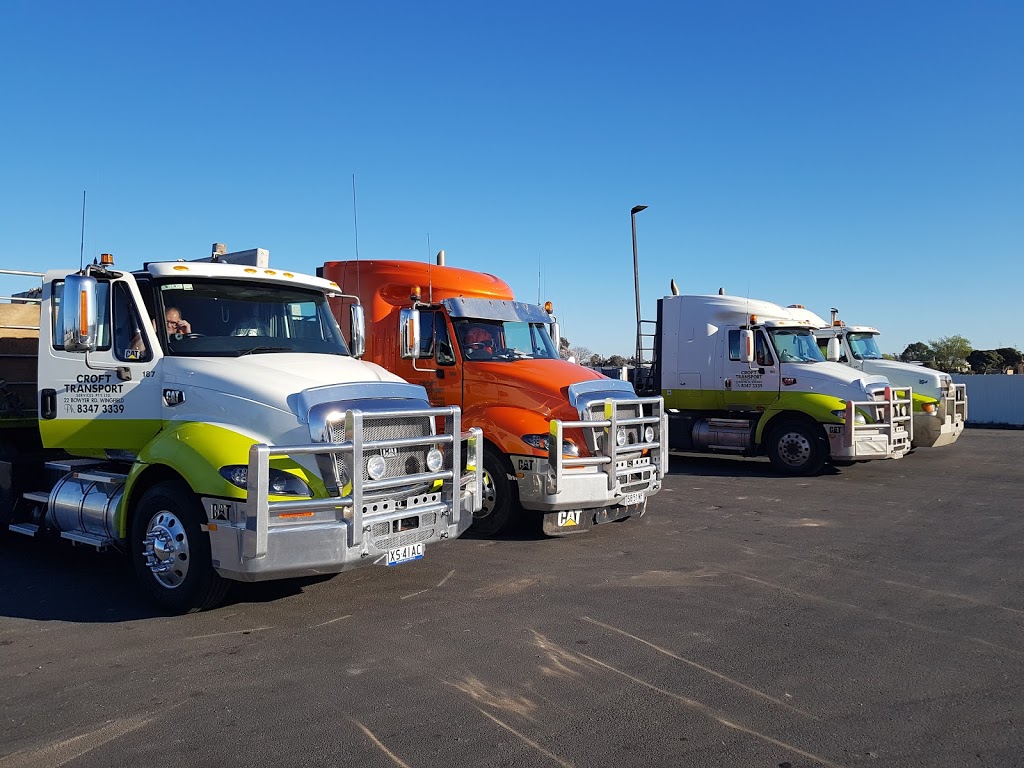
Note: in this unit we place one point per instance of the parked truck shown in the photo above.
(940, 406)
(208, 420)
(746, 377)
(561, 441)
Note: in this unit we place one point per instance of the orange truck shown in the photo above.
(562, 441)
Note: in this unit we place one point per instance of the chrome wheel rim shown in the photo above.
(490, 497)
(165, 547)
(794, 449)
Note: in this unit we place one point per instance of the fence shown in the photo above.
(995, 399)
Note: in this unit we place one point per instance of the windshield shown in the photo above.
(504, 340)
(217, 318)
(863, 346)
(796, 345)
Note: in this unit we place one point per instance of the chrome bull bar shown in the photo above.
(259, 508)
(658, 419)
(897, 411)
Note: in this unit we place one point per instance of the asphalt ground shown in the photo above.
(873, 616)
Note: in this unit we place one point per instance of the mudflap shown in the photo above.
(567, 522)
(621, 512)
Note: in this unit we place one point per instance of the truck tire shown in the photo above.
(171, 553)
(501, 496)
(797, 448)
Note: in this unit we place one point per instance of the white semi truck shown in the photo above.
(940, 406)
(745, 376)
(209, 420)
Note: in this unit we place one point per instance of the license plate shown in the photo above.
(400, 555)
(633, 498)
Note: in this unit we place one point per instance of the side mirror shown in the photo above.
(357, 330)
(78, 314)
(556, 334)
(747, 346)
(832, 350)
(409, 333)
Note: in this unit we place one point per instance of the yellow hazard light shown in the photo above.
(83, 314)
(415, 292)
(107, 259)
(753, 319)
(289, 515)
(548, 307)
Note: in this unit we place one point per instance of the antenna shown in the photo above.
(355, 228)
(538, 278)
(430, 278)
(81, 248)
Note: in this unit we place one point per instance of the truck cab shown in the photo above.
(940, 406)
(562, 442)
(746, 376)
(211, 420)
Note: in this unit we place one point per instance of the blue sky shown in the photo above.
(865, 155)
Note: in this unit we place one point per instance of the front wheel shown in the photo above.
(500, 495)
(797, 448)
(171, 553)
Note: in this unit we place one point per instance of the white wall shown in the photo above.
(994, 399)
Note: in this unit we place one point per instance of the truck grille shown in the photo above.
(402, 461)
(624, 409)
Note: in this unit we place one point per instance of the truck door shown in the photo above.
(749, 386)
(437, 368)
(105, 403)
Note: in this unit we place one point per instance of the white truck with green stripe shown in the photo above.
(940, 406)
(208, 420)
(746, 377)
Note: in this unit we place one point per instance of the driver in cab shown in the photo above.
(176, 324)
(478, 343)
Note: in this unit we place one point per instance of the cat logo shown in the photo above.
(566, 519)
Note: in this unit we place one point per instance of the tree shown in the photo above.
(918, 351)
(1011, 356)
(563, 348)
(986, 361)
(616, 361)
(596, 360)
(949, 353)
(581, 353)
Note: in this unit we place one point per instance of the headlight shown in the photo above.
(434, 460)
(859, 418)
(649, 434)
(540, 442)
(840, 414)
(929, 407)
(620, 437)
(376, 467)
(280, 483)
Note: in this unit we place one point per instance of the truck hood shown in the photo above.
(533, 384)
(833, 378)
(923, 381)
(270, 379)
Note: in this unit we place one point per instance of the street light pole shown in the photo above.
(636, 279)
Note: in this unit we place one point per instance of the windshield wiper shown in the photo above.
(254, 350)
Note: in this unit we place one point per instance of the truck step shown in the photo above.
(100, 542)
(26, 529)
(39, 497)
